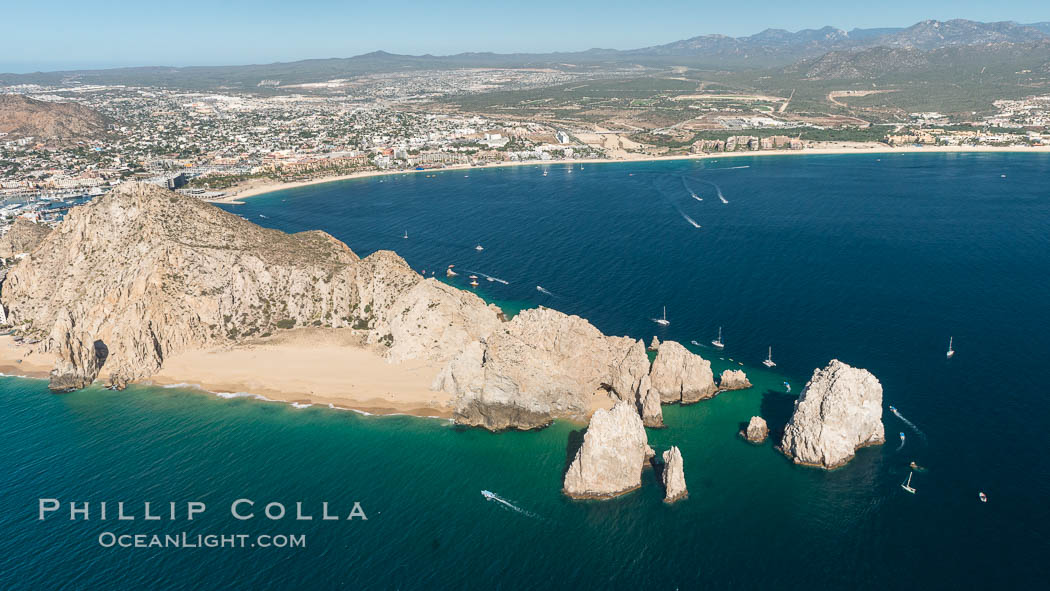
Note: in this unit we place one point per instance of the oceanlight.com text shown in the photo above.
(185, 540)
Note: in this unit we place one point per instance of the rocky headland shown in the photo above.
(142, 274)
(838, 412)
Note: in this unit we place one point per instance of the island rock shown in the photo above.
(610, 461)
(838, 412)
(680, 376)
(733, 379)
(673, 476)
(756, 431)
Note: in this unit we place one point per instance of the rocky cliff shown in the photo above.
(541, 365)
(22, 237)
(614, 451)
(680, 376)
(839, 411)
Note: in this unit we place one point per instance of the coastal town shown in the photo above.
(216, 145)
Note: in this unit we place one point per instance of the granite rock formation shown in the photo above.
(22, 237)
(673, 476)
(649, 404)
(680, 376)
(733, 379)
(614, 451)
(654, 345)
(756, 431)
(541, 365)
(839, 411)
(146, 273)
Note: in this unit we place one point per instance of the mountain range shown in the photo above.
(772, 48)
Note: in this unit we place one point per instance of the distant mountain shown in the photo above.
(938, 34)
(992, 62)
(21, 116)
(772, 48)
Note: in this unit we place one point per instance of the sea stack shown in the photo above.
(655, 345)
(838, 412)
(680, 376)
(756, 431)
(610, 461)
(673, 476)
(733, 379)
(649, 404)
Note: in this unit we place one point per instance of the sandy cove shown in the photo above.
(303, 366)
(260, 187)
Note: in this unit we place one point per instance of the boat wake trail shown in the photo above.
(691, 192)
(489, 277)
(717, 189)
(491, 496)
(688, 219)
(909, 423)
(901, 446)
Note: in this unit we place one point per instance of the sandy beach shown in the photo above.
(303, 366)
(260, 187)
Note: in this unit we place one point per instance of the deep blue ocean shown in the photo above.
(873, 259)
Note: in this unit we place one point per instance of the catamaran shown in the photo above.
(662, 321)
(769, 360)
(951, 351)
(718, 342)
(906, 485)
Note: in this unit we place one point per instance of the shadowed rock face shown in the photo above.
(680, 376)
(839, 411)
(610, 461)
(673, 476)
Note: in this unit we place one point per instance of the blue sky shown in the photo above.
(64, 34)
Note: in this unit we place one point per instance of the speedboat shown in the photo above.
(787, 386)
(983, 497)
(479, 248)
(489, 495)
(893, 408)
(473, 282)
(951, 352)
(902, 436)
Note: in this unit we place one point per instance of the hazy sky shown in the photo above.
(65, 34)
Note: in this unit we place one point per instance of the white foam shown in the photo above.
(301, 405)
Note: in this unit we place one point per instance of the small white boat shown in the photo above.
(479, 248)
(983, 497)
(473, 282)
(906, 485)
(662, 321)
(406, 235)
(718, 342)
(769, 359)
(951, 352)
(489, 495)
(449, 272)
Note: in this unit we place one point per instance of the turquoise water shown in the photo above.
(872, 259)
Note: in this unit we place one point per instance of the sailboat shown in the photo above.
(906, 485)
(951, 352)
(406, 235)
(769, 360)
(662, 321)
(718, 342)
